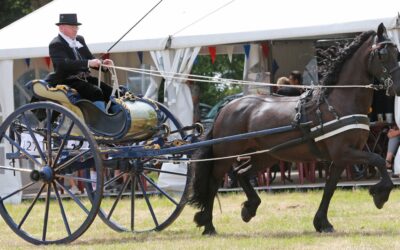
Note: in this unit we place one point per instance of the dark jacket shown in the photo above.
(288, 91)
(64, 62)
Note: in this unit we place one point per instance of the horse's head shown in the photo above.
(384, 62)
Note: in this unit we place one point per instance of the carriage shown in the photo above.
(63, 137)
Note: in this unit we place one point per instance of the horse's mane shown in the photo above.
(331, 60)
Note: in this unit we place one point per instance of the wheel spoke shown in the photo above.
(76, 178)
(115, 178)
(17, 191)
(64, 217)
(31, 206)
(48, 136)
(30, 157)
(163, 171)
(133, 186)
(147, 201)
(39, 149)
(70, 161)
(46, 212)
(73, 197)
(61, 120)
(63, 142)
(26, 170)
(117, 199)
(159, 189)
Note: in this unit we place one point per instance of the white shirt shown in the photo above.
(72, 43)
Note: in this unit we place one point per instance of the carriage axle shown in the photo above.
(46, 174)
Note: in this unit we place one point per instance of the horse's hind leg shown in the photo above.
(250, 206)
(321, 222)
(204, 217)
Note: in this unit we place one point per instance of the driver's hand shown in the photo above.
(94, 63)
(108, 62)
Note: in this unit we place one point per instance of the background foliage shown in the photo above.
(12, 10)
(211, 92)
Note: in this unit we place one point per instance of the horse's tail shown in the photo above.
(201, 175)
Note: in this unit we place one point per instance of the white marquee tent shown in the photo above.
(176, 24)
(193, 23)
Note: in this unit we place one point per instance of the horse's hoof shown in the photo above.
(201, 219)
(322, 225)
(209, 232)
(246, 216)
(380, 194)
(378, 202)
(327, 230)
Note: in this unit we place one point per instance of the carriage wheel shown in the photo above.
(144, 199)
(39, 156)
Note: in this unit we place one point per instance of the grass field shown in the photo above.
(284, 221)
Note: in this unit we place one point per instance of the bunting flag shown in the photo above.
(48, 61)
(265, 49)
(247, 50)
(229, 52)
(275, 66)
(140, 55)
(28, 62)
(213, 53)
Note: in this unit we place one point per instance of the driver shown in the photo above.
(72, 60)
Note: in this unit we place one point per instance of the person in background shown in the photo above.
(283, 81)
(72, 61)
(393, 144)
(396, 161)
(295, 78)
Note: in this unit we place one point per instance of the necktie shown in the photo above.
(77, 54)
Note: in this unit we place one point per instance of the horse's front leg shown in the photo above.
(380, 191)
(249, 207)
(321, 222)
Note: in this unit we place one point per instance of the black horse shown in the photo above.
(328, 124)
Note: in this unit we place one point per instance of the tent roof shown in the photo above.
(193, 23)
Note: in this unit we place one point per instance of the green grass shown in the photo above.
(283, 221)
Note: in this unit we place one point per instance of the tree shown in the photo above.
(211, 93)
(12, 10)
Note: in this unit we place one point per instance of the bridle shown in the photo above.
(380, 49)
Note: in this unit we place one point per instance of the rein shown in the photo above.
(208, 79)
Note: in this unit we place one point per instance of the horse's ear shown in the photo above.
(382, 35)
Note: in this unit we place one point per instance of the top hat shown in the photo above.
(69, 19)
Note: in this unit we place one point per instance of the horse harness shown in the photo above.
(313, 134)
(324, 130)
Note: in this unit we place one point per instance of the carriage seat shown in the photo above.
(97, 120)
(100, 122)
(49, 92)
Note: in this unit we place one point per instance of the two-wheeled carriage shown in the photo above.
(143, 149)
(48, 144)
